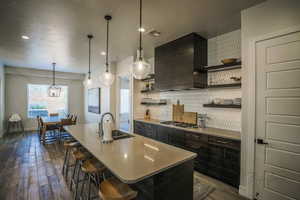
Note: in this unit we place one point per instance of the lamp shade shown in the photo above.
(54, 91)
(89, 81)
(107, 79)
(141, 68)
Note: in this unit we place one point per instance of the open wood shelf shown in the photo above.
(153, 104)
(225, 85)
(224, 67)
(150, 78)
(221, 106)
(149, 91)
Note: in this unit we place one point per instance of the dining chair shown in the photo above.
(63, 134)
(47, 132)
(38, 118)
(74, 120)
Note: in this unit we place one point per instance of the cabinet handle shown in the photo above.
(222, 142)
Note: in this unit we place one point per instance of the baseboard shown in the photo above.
(30, 129)
(243, 192)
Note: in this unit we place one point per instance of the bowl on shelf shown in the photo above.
(229, 60)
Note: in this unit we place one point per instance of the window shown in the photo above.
(40, 104)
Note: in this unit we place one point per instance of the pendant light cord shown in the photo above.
(53, 73)
(107, 38)
(90, 38)
(140, 29)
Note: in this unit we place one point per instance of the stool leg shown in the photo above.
(73, 174)
(89, 187)
(77, 182)
(65, 161)
(83, 183)
(67, 165)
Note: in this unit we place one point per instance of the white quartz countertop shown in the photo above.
(131, 159)
(234, 135)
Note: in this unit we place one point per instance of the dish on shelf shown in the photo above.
(219, 101)
(237, 101)
(229, 60)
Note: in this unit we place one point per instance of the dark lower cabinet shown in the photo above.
(216, 157)
(163, 134)
(145, 129)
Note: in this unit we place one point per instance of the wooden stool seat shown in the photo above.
(92, 166)
(71, 144)
(79, 155)
(113, 189)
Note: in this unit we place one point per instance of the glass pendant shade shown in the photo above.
(54, 91)
(141, 68)
(89, 81)
(107, 79)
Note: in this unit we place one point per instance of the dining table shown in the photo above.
(53, 120)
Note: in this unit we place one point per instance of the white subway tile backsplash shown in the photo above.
(223, 46)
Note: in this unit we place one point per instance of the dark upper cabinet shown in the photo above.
(179, 64)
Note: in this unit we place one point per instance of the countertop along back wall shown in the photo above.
(16, 91)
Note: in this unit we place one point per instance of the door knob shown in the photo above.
(261, 141)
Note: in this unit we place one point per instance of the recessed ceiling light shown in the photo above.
(25, 37)
(103, 53)
(141, 29)
(154, 33)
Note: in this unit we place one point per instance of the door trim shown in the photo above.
(130, 77)
(248, 190)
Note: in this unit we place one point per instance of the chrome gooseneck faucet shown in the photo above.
(101, 122)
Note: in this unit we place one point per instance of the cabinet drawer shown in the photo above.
(196, 137)
(225, 142)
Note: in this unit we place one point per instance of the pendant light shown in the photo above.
(89, 80)
(54, 90)
(107, 78)
(141, 68)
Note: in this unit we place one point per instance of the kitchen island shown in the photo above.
(156, 170)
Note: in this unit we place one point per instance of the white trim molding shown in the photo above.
(249, 190)
(43, 73)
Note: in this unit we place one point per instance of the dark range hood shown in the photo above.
(179, 64)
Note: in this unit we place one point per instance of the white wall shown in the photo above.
(2, 99)
(16, 91)
(107, 99)
(224, 46)
(124, 68)
(265, 18)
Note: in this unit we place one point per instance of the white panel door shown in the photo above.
(277, 161)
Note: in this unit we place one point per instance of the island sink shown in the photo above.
(117, 135)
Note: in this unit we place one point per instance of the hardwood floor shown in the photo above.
(30, 170)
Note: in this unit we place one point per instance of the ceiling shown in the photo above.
(58, 28)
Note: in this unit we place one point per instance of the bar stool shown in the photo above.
(79, 156)
(92, 170)
(69, 145)
(113, 189)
